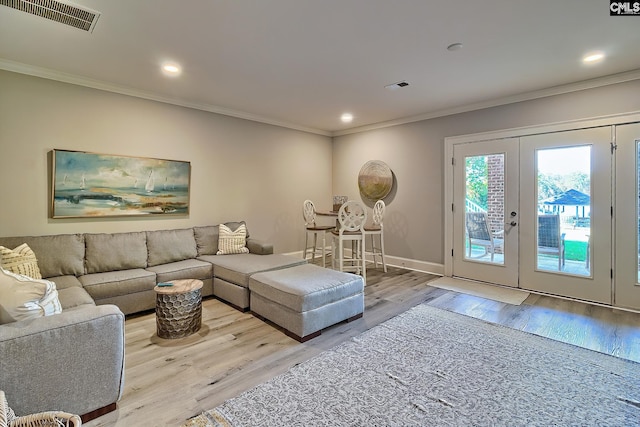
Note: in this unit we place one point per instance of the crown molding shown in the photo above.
(123, 90)
(543, 93)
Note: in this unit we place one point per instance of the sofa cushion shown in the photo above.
(116, 251)
(207, 237)
(116, 283)
(70, 292)
(258, 247)
(74, 297)
(20, 260)
(22, 297)
(187, 269)
(58, 255)
(232, 242)
(167, 246)
(64, 282)
(237, 268)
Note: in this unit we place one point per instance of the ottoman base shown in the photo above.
(304, 300)
(306, 337)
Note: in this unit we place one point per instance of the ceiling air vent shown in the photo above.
(65, 13)
(398, 85)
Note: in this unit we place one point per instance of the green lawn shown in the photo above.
(575, 251)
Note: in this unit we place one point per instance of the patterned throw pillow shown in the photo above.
(232, 242)
(22, 297)
(20, 260)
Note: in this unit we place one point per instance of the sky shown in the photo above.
(565, 160)
(116, 171)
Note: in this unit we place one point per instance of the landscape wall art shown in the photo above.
(98, 185)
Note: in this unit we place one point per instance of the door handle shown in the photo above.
(512, 223)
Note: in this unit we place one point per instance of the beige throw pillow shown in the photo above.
(20, 260)
(232, 242)
(22, 297)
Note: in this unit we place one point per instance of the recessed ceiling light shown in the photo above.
(593, 57)
(346, 118)
(171, 69)
(454, 46)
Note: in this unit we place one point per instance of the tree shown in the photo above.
(477, 180)
(548, 186)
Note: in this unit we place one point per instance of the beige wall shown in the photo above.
(240, 169)
(415, 220)
(248, 170)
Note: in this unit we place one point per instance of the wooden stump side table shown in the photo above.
(178, 308)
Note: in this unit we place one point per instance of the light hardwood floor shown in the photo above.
(169, 381)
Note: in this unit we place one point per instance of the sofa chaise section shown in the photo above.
(232, 272)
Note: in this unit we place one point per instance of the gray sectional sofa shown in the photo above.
(79, 365)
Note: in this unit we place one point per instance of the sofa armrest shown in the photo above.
(72, 362)
(258, 247)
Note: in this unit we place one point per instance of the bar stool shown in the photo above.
(374, 230)
(351, 217)
(309, 214)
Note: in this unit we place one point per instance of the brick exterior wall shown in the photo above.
(495, 191)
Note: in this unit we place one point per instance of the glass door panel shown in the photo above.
(484, 208)
(564, 210)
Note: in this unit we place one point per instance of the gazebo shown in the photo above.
(570, 198)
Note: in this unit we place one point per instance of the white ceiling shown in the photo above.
(302, 63)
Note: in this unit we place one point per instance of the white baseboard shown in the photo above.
(409, 264)
(413, 264)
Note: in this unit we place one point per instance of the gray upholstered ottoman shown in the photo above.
(306, 299)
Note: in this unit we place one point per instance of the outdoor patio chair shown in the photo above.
(550, 238)
(479, 234)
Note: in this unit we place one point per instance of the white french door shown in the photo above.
(565, 207)
(627, 217)
(486, 193)
(547, 199)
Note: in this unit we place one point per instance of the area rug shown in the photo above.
(430, 367)
(493, 292)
